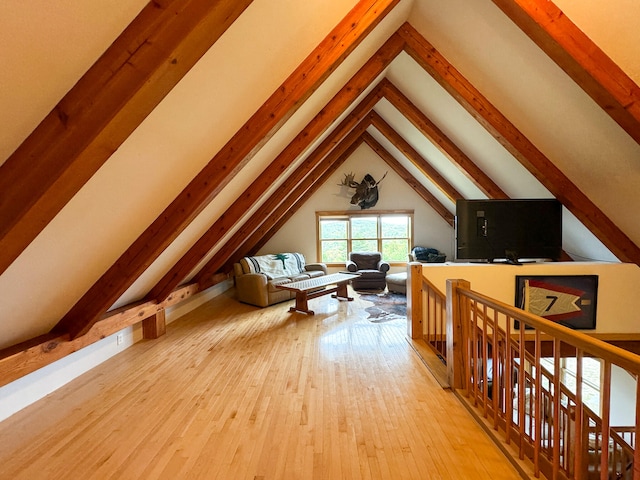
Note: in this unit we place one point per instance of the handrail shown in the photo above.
(504, 379)
(561, 435)
(623, 358)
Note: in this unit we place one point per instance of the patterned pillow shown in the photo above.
(274, 266)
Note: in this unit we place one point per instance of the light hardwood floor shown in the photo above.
(237, 392)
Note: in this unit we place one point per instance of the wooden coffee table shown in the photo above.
(316, 287)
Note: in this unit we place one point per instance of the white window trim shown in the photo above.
(347, 215)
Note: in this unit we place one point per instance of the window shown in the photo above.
(591, 378)
(388, 232)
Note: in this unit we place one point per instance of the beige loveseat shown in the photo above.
(256, 277)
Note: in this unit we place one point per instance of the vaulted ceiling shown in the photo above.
(163, 157)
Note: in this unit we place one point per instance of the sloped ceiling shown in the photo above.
(198, 118)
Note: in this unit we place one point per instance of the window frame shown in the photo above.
(348, 215)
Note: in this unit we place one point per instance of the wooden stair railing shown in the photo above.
(431, 317)
(485, 342)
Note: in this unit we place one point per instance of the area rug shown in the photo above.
(387, 306)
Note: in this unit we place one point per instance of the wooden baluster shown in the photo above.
(442, 344)
(430, 325)
(555, 431)
(579, 445)
(606, 410)
(636, 434)
(496, 370)
(508, 382)
(475, 354)
(521, 391)
(538, 406)
(485, 361)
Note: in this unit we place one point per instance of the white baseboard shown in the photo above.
(29, 389)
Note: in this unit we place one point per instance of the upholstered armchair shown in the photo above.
(372, 269)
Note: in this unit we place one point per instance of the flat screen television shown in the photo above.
(508, 230)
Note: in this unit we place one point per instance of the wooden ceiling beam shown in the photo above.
(262, 125)
(414, 156)
(97, 115)
(312, 131)
(277, 221)
(596, 73)
(448, 148)
(516, 143)
(277, 218)
(303, 178)
(403, 173)
(296, 199)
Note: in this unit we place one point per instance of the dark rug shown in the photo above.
(387, 306)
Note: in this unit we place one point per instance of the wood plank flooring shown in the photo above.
(237, 392)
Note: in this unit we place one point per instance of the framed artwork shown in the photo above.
(569, 300)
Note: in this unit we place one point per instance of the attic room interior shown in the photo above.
(149, 146)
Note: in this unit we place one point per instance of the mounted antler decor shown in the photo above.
(366, 195)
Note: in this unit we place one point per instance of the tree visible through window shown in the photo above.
(386, 232)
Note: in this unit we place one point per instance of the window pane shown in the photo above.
(334, 251)
(364, 227)
(395, 250)
(340, 233)
(364, 246)
(395, 227)
(333, 229)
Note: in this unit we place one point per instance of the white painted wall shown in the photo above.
(547, 106)
(299, 233)
(162, 155)
(623, 398)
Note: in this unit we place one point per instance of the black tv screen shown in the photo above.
(508, 230)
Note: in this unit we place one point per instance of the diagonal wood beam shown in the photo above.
(336, 106)
(415, 185)
(298, 182)
(305, 79)
(448, 148)
(277, 221)
(271, 222)
(296, 199)
(314, 129)
(414, 156)
(599, 76)
(519, 146)
(106, 105)
(249, 236)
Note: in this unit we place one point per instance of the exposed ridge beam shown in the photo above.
(312, 131)
(596, 73)
(106, 105)
(300, 180)
(519, 146)
(305, 79)
(448, 148)
(415, 185)
(414, 156)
